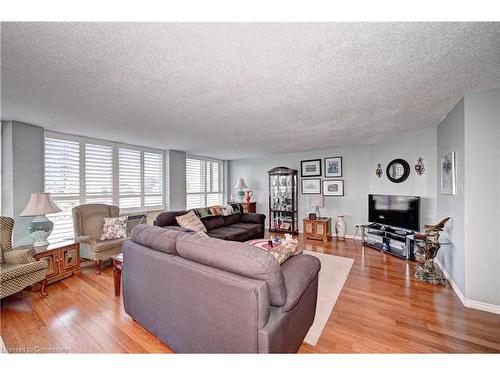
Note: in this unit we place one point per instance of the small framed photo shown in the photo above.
(311, 186)
(333, 188)
(333, 166)
(310, 168)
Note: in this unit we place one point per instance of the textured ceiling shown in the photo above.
(234, 90)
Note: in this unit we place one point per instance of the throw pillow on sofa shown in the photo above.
(114, 228)
(191, 221)
(282, 252)
(227, 210)
(203, 212)
(216, 211)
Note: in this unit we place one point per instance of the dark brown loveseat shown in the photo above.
(237, 227)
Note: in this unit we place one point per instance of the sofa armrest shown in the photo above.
(20, 256)
(299, 272)
(253, 218)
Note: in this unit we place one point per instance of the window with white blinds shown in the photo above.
(203, 182)
(62, 180)
(80, 170)
(130, 178)
(98, 174)
(153, 179)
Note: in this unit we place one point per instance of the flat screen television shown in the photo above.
(394, 210)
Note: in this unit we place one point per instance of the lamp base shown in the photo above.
(241, 195)
(40, 229)
(318, 214)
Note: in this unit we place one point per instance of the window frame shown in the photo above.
(207, 184)
(82, 196)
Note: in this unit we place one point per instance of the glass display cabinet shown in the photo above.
(283, 211)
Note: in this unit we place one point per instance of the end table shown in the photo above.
(117, 273)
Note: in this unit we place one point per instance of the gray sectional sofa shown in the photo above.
(238, 227)
(205, 295)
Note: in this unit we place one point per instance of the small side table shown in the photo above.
(117, 273)
(248, 207)
(63, 259)
(318, 229)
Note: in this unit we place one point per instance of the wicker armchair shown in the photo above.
(87, 224)
(18, 268)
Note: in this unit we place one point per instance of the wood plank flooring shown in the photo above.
(381, 309)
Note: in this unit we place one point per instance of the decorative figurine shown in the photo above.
(419, 167)
(378, 171)
(427, 249)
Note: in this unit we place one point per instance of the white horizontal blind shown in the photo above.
(203, 182)
(153, 179)
(129, 178)
(81, 170)
(98, 174)
(62, 180)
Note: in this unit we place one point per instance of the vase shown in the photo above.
(249, 195)
(340, 227)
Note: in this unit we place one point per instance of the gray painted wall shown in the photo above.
(451, 137)
(359, 163)
(177, 180)
(353, 204)
(22, 172)
(408, 147)
(482, 202)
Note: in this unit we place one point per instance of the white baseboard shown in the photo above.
(488, 307)
(457, 291)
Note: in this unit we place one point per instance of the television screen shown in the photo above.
(394, 210)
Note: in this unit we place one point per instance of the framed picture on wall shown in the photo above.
(311, 186)
(310, 168)
(333, 188)
(333, 166)
(448, 173)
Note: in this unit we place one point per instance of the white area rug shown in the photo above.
(332, 277)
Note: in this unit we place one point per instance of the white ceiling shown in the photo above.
(235, 90)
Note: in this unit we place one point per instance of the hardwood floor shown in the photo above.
(381, 309)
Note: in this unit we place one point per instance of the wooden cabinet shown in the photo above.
(319, 229)
(248, 207)
(63, 259)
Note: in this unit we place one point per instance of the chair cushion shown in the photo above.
(235, 257)
(114, 228)
(102, 246)
(11, 271)
(191, 221)
(251, 228)
(230, 233)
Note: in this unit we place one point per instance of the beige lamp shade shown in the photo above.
(316, 200)
(241, 184)
(40, 204)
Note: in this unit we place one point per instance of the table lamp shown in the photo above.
(317, 201)
(40, 228)
(240, 186)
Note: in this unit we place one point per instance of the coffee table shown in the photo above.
(117, 272)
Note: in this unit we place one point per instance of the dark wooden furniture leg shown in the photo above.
(97, 267)
(117, 278)
(43, 288)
